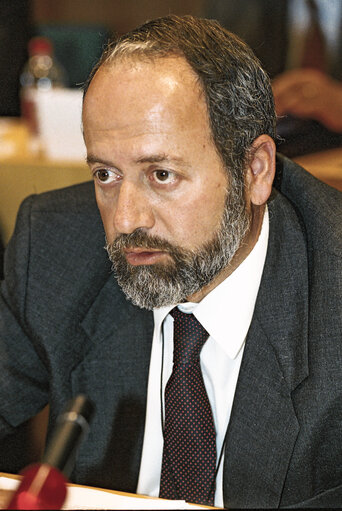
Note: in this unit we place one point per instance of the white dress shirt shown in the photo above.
(226, 313)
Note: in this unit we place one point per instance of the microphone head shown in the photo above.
(81, 406)
(43, 485)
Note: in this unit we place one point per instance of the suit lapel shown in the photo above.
(114, 374)
(263, 427)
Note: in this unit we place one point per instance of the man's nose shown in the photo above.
(133, 210)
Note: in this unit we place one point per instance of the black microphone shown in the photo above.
(43, 485)
(72, 426)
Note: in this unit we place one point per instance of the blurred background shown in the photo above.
(78, 29)
(285, 34)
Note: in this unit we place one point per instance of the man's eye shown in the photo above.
(104, 175)
(163, 176)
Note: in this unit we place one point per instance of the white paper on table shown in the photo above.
(59, 113)
(91, 498)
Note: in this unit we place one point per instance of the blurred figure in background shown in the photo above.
(14, 36)
(299, 43)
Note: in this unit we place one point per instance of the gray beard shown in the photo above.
(160, 285)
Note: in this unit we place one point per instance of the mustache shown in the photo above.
(140, 239)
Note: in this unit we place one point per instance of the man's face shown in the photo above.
(158, 178)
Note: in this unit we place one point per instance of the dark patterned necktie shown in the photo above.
(189, 455)
(314, 51)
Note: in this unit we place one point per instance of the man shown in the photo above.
(179, 122)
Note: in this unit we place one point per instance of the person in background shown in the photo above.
(14, 36)
(299, 43)
(213, 354)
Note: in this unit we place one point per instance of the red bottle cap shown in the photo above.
(39, 46)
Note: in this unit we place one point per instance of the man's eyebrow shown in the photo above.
(160, 158)
(150, 158)
(90, 158)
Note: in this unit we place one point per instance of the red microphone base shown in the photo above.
(42, 487)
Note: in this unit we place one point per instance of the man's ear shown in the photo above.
(261, 170)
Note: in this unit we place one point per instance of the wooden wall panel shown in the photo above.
(118, 15)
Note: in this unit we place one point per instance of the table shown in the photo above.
(20, 178)
(86, 497)
(325, 165)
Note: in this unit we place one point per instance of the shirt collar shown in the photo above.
(227, 311)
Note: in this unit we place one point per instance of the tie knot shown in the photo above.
(189, 337)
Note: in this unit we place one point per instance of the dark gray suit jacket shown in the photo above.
(65, 328)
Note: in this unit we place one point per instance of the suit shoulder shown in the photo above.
(60, 219)
(319, 205)
(79, 197)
